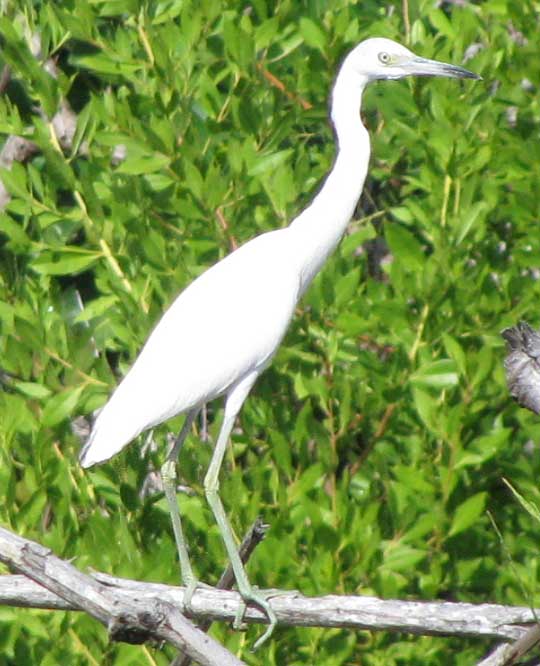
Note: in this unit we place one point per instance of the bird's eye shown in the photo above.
(384, 58)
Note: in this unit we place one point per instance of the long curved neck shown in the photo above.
(319, 228)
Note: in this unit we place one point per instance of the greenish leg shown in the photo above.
(168, 476)
(211, 486)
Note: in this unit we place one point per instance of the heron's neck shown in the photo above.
(319, 228)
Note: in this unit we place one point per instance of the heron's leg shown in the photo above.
(168, 475)
(211, 486)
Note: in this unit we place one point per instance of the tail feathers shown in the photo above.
(106, 439)
(86, 456)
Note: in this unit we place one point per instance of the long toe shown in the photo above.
(259, 599)
(191, 585)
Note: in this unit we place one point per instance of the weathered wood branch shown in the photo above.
(522, 365)
(128, 617)
(508, 654)
(292, 608)
(251, 540)
(136, 611)
(522, 369)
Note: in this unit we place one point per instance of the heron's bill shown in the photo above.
(426, 67)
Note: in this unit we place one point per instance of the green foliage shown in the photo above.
(378, 440)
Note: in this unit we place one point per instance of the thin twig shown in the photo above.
(5, 78)
(406, 21)
(274, 81)
(253, 538)
(225, 226)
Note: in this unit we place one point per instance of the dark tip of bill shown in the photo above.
(463, 73)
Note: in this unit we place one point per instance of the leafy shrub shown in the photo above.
(376, 443)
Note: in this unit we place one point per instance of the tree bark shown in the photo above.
(128, 617)
(136, 611)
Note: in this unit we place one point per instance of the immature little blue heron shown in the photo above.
(224, 328)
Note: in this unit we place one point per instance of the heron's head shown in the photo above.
(380, 58)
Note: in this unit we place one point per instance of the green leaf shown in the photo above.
(444, 26)
(104, 64)
(354, 240)
(483, 448)
(468, 513)
(530, 507)
(282, 452)
(426, 407)
(143, 164)
(16, 52)
(404, 246)
(267, 163)
(33, 390)
(66, 263)
(96, 308)
(15, 180)
(347, 286)
(402, 557)
(403, 214)
(454, 349)
(61, 406)
(468, 219)
(238, 43)
(440, 374)
(312, 34)
(309, 479)
(14, 231)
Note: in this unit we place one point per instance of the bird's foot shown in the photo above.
(258, 598)
(191, 584)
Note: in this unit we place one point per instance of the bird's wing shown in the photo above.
(226, 323)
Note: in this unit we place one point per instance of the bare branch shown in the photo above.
(127, 617)
(506, 655)
(253, 538)
(440, 618)
(497, 657)
(135, 611)
(522, 365)
(436, 618)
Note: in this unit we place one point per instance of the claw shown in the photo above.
(259, 599)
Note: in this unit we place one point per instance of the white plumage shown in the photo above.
(205, 343)
(223, 330)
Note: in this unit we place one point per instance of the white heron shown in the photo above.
(223, 330)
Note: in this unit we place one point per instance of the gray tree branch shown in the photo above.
(506, 655)
(522, 365)
(292, 608)
(128, 617)
(252, 539)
